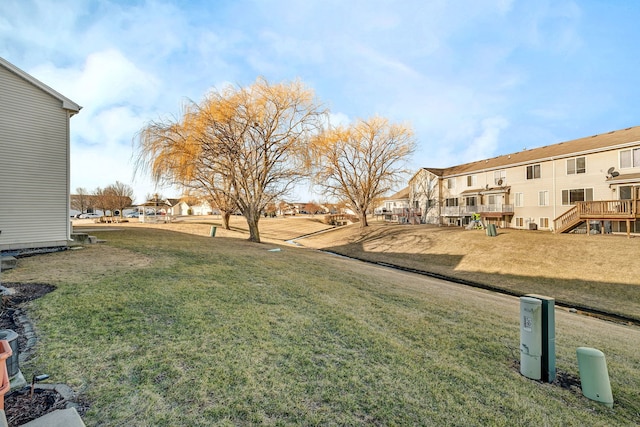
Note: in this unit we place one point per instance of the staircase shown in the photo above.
(603, 210)
(568, 221)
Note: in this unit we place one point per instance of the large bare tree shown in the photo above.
(362, 162)
(243, 146)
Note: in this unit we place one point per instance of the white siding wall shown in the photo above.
(34, 195)
(553, 179)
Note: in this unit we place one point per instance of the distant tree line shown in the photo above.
(112, 198)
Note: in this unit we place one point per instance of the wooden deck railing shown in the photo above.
(566, 220)
(601, 210)
(608, 208)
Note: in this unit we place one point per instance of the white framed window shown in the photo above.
(544, 222)
(452, 202)
(471, 181)
(533, 171)
(576, 166)
(451, 183)
(519, 222)
(570, 197)
(543, 198)
(630, 158)
(519, 200)
(499, 177)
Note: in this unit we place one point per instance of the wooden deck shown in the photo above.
(603, 210)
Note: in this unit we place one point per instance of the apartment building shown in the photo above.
(589, 184)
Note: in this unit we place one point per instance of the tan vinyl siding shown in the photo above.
(34, 207)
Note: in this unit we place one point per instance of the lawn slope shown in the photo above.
(158, 328)
(598, 272)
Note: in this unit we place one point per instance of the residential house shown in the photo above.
(34, 162)
(586, 184)
(397, 208)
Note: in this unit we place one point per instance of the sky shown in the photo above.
(474, 79)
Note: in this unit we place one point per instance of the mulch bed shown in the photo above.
(21, 406)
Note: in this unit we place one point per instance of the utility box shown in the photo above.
(548, 337)
(594, 376)
(531, 337)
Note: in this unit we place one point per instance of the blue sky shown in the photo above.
(473, 78)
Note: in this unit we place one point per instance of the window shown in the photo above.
(431, 203)
(416, 204)
(630, 158)
(533, 172)
(543, 198)
(519, 222)
(451, 183)
(451, 202)
(470, 201)
(491, 199)
(519, 200)
(544, 222)
(471, 181)
(626, 193)
(570, 197)
(499, 177)
(577, 165)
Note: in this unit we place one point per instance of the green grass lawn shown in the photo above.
(193, 331)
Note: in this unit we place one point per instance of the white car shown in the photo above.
(89, 215)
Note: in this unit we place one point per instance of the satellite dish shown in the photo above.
(499, 182)
(614, 174)
(611, 169)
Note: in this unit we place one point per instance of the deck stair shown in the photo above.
(603, 210)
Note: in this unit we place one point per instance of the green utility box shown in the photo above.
(212, 233)
(548, 360)
(594, 376)
(492, 230)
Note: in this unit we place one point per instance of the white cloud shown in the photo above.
(484, 145)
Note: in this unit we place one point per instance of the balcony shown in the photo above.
(495, 210)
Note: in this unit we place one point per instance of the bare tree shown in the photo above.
(363, 162)
(423, 194)
(81, 200)
(101, 200)
(247, 146)
(120, 196)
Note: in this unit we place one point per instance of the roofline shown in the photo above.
(544, 158)
(67, 104)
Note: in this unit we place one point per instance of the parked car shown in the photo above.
(133, 215)
(89, 215)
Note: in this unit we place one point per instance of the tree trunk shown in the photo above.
(225, 219)
(252, 222)
(363, 220)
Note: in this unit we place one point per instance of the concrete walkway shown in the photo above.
(59, 418)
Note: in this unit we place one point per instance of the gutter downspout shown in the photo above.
(555, 213)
